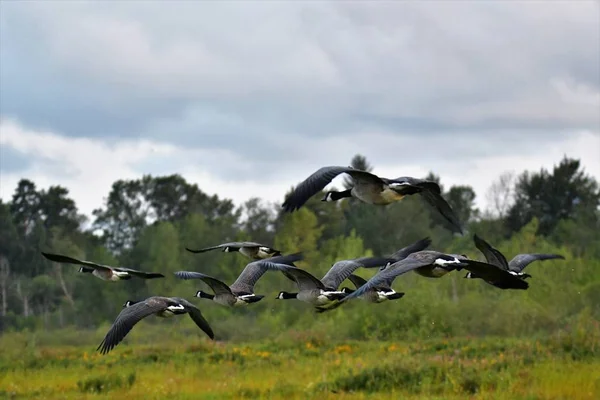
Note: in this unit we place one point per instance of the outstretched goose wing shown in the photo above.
(318, 180)
(520, 261)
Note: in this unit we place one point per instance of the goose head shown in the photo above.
(129, 303)
(330, 196)
(204, 295)
(286, 296)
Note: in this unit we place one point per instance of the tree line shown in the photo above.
(146, 224)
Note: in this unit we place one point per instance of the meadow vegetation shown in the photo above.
(299, 365)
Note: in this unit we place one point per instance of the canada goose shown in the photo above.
(164, 307)
(370, 189)
(495, 276)
(253, 250)
(241, 292)
(428, 263)
(383, 291)
(378, 294)
(101, 271)
(320, 292)
(515, 267)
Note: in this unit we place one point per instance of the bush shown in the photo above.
(105, 383)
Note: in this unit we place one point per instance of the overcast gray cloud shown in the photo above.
(241, 94)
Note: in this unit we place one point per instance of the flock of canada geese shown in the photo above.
(323, 294)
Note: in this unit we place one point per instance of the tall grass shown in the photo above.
(301, 365)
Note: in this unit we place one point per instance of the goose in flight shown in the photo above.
(101, 271)
(241, 292)
(253, 250)
(376, 294)
(428, 263)
(371, 189)
(321, 292)
(434, 264)
(164, 307)
(515, 267)
(382, 291)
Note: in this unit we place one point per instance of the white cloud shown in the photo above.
(88, 167)
(480, 173)
(456, 62)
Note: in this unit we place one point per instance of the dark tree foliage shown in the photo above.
(59, 211)
(329, 215)
(259, 221)
(124, 215)
(462, 200)
(53, 208)
(553, 196)
(8, 232)
(25, 206)
(133, 204)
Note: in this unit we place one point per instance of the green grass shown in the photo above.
(300, 366)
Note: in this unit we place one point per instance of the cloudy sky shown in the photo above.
(248, 98)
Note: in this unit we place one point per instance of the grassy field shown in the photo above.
(298, 365)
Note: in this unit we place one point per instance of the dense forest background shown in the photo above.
(147, 223)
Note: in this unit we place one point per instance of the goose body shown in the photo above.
(241, 292)
(371, 189)
(433, 264)
(324, 291)
(253, 250)
(383, 291)
(104, 272)
(378, 294)
(515, 267)
(163, 307)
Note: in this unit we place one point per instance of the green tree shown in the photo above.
(299, 232)
(59, 211)
(9, 250)
(25, 206)
(551, 197)
(124, 215)
(159, 249)
(259, 221)
(342, 248)
(462, 201)
(132, 204)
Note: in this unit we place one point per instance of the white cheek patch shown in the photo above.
(332, 292)
(398, 184)
(174, 308)
(442, 262)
